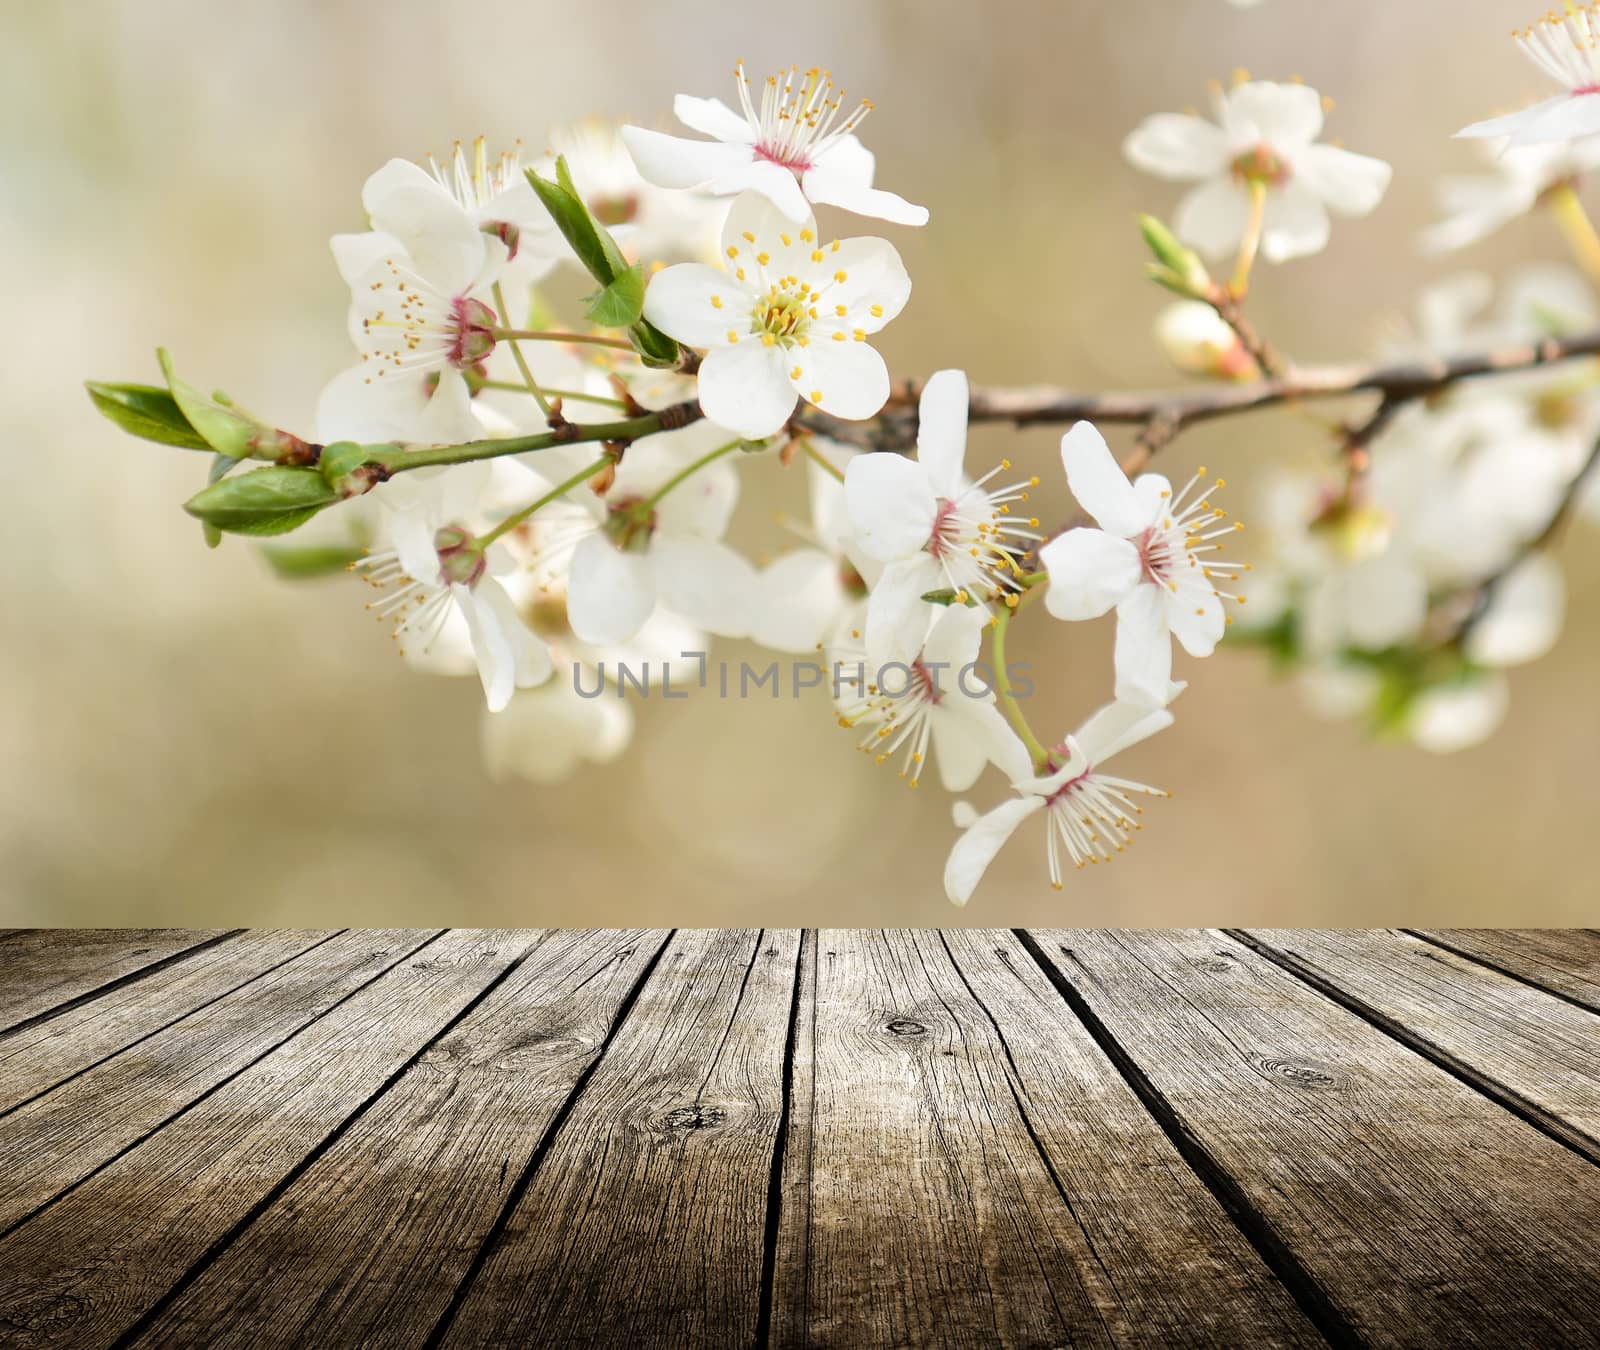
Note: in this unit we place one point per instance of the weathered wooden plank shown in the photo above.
(368, 1246)
(86, 1269)
(917, 1207)
(40, 1056)
(1180, 1271)
(43, 968)
(55, 1141)
(1563, 960)
(1537, 1054)
(1423, 1212)
(644, 1223)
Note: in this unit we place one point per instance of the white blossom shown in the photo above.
(1476, 205)
(933, 528)
(1089, 815)
(792, 147)
(1565, 45)
(1151, 559)
(787, 319)
(1265, 135)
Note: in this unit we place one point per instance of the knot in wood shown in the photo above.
(1296, 1071)
(694, 1117)
(904, 1026)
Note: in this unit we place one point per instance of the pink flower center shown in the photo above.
(472, 331)
(1156, 556)
(1261, 165)
(946, 533)
(793, 160)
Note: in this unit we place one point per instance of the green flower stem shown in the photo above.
(689, 470)
(397, 459)
(516, 352)
(1008, 699)
(1251, 241)
(555, 494)
(536, 335)
(818, 458)
(568, 395)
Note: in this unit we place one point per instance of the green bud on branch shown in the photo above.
(273, 500)
(1176, 267)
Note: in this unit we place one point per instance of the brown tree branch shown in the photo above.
(1397, 382)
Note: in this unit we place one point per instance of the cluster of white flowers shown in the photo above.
(552, 504)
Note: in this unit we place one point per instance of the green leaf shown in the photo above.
(146, 411)
(620, 304)
(577, 226)
(273, 500)
(223, 429)
(299, 563)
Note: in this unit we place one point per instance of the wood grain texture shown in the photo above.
(1425, 1213)
(1181, 1273)
(918, 1209)
(644, 1224)
(44, 1054)
(1539, 1054)
(85, 1270)
(368, 1245)
(55, 1141)
(1563, 960)
(43, 968)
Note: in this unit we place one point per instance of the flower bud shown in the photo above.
(1176, 267)
(1199, 342)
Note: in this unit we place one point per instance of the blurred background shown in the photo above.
(188, 740)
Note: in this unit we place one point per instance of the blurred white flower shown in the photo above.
(1264, 137)
(805, 596)
(1198, 341)
(934, 529)
(1150, 560)
(793, 149)
(1459, 715)
(1565, 45)
(439, 577)
(933, 703)
(787, 320)
(1089, 814)
(1523, 617)
(1476, 205)
(634, 549)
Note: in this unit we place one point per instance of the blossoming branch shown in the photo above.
(544, 502)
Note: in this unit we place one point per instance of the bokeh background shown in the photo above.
(187, 740)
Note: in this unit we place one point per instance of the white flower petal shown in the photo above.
(942, 430)
(1143, 653)
(976, 849)
(1178, 146)
(1457, 717)
(609, 592)
(713, 117)
(840, 375)
(1524, 618)
(897, 615)
(891, 505)
(1118, 725)
(1283, 116)
(746, 388)
(1211, 218)
(1091, 572)
(697, 304)
(1295, 224)
(754, 230)
(1511, 123)
(706, 583)
(1350, 184)
(954, 641)
(842, 177)
(777, 184)
(799, 599)
(1097, 481)
(968, 736)
(545, 735)
(875, 286)
(1194, 614)
(355, 255)
(677, 162)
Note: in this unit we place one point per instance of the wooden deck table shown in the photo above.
(837, 1138)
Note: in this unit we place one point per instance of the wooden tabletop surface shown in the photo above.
(839, 1137)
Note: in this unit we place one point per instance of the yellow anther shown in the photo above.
(716, 302)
